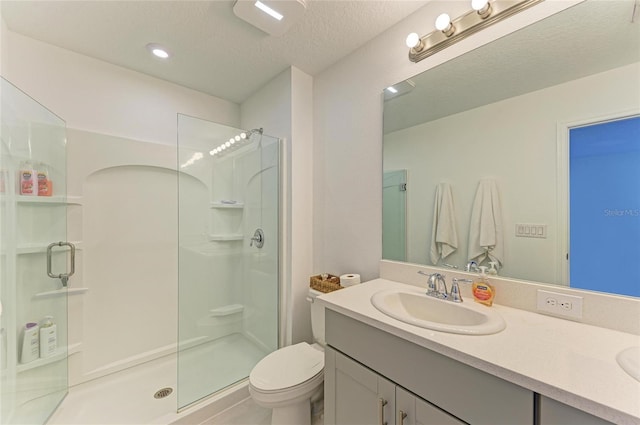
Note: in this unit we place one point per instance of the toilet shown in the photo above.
(289, 379)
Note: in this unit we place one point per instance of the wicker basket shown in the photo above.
(330, 284)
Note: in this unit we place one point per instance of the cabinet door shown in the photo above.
(555, 413)
(412, 410)
(354, 394)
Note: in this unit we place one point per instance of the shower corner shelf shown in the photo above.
(224, 205)
(38, 248)
(225, 237)
(60, 354)
(49, 200)
(59, 292)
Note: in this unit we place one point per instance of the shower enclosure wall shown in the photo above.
(228, 257)
(32, 218)
(169, 289)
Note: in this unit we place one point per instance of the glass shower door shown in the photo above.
(33, 318)
(228, 183)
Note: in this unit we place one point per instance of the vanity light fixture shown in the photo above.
(233, 142)
(448, 32)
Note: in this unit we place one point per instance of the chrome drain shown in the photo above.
(163, 392)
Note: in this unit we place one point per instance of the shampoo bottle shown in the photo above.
(44, 184)
(483, 292)
(27, 180)
(30, 343)
(48, 337)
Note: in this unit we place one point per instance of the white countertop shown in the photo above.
(567, 361)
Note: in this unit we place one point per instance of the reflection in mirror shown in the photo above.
(508, 113)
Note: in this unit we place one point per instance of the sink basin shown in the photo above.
(629, 361)
(416, 308)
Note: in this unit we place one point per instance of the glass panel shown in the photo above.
(32, 215)
(394, 215)
(228, 254)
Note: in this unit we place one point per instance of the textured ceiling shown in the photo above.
(585, 39)
(214, 51)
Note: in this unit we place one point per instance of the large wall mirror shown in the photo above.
(549, 118)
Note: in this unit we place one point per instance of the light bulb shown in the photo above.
(443, 21)
(223, 147)
(243, 135)
(478, 4)
(227, 144)
(237, 139)
(212, 152)
(230, 140)
(413, 40)
(482, 7)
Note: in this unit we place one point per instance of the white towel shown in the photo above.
(485, 230)
(444, 236)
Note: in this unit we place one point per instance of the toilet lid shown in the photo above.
(287, 367)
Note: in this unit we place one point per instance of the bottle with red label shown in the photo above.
(27, 179)
(483, 291)
(44, 184)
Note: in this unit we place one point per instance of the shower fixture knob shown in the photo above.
(258, 238)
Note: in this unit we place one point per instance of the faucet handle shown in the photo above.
(455, 295)
(432, 285)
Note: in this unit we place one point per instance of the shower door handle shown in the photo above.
(64, 277)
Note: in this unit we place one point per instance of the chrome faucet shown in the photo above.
(471, 266)
(436, 285)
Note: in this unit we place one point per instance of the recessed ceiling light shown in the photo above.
(269, 11)
(274, 17)
(158, 51)
(399, 89)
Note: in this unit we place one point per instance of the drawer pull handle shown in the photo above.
(401, 416)
(381, 403)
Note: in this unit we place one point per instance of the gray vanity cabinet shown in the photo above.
(356, 395)
(364, 364)
(412, 410)
(553, 412)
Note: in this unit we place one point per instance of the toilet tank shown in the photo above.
(317, 317)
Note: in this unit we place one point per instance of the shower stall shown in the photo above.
(228, 186)
(159, 265)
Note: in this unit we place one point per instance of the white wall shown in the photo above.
(96, 96)
(348, 134)
(520, 153)
(283, 109)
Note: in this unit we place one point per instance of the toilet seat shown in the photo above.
(287, 368)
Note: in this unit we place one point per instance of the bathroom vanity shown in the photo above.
(380, 370)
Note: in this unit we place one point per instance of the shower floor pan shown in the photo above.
(127, 397)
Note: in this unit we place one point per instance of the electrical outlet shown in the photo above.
(560, 304)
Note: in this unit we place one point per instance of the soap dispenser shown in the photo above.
(483, 291)
(493, 269)
(48, 337)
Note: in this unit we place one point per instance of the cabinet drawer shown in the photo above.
(465, 392)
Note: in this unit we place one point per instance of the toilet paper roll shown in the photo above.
(349, 279)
